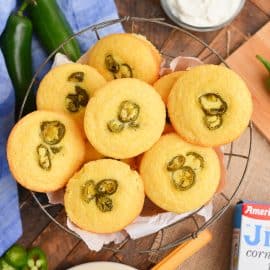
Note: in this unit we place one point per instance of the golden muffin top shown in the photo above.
(104, 196)
(210, 105)
(125, 56)
(124, 118)
(44, 149)
(67, 88)
(179, 176)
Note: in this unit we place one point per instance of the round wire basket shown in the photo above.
(239, 151)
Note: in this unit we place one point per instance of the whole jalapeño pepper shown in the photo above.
(36, 260)
(15, 44)
(16, 256)
(52, 28)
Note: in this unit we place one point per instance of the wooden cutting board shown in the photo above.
(244, 62)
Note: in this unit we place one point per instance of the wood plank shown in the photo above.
(132, 257)
(56, 242)
(227, 41)
(24, 194)
(33, 221)
(81, 254)
(245, 63)
(140, 9)
(264, 5)
(180, 43)
(250, 20)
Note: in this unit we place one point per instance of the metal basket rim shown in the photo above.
(220, 212)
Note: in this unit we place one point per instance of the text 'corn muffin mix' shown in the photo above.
(113, 106)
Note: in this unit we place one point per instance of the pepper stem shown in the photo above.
(265, 62)
(24, 5)
(22, 8)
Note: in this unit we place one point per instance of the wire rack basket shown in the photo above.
(231, 151)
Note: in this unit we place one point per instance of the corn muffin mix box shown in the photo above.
(251, 237)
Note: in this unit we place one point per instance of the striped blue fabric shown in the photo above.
(80, 14)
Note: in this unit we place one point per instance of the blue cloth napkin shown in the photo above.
(80, 14)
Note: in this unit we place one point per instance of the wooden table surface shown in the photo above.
(64, 250)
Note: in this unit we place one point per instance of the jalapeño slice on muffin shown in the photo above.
(128, 113)
(120, 56)
(117, 69)
(104, 196)
(210, 105)
(124, 118)
(179, 176)
(68, 88)
(99, 191)
(44, 149)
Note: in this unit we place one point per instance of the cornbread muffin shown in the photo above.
(210, 105)
(44, 149)
(124, 118)
(178, 176)
(104, 196)
(165, 84)
(125, 56)
(67, 88)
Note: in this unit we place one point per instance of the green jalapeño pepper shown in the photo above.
(16, 256)
(36, 260)
(52, 28)
(16, 47)
(4, 265)
(266, 63)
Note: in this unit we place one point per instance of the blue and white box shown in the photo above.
(251, 237)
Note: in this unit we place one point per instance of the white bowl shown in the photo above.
(102, 266)
(179, 22)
